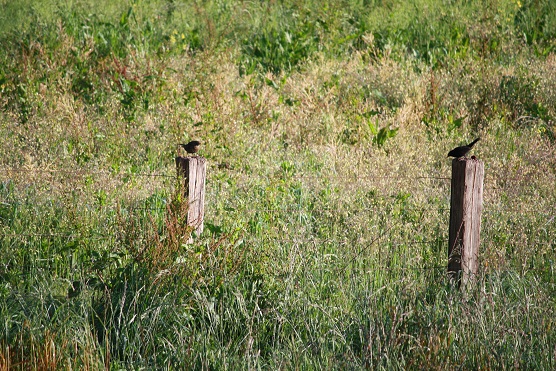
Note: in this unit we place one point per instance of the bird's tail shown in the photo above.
(473, 142)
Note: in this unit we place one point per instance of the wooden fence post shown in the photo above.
(193, 169)
(466, 205)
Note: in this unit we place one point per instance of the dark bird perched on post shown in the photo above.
(191, 147)
(463, 150)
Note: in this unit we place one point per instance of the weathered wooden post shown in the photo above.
(466, 206)
(193, 169)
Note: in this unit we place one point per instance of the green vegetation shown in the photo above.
(326, 126)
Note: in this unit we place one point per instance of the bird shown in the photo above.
(463, 150)
(191, 147)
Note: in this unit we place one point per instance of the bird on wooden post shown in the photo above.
(191, 147)
(463, 150)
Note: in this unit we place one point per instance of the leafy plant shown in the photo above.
(380, 136)
(276, 49)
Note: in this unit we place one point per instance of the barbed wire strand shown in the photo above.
(295, 176)
(285, 174)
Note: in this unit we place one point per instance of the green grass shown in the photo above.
(326, 127)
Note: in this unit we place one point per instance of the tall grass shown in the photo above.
(326, 127)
